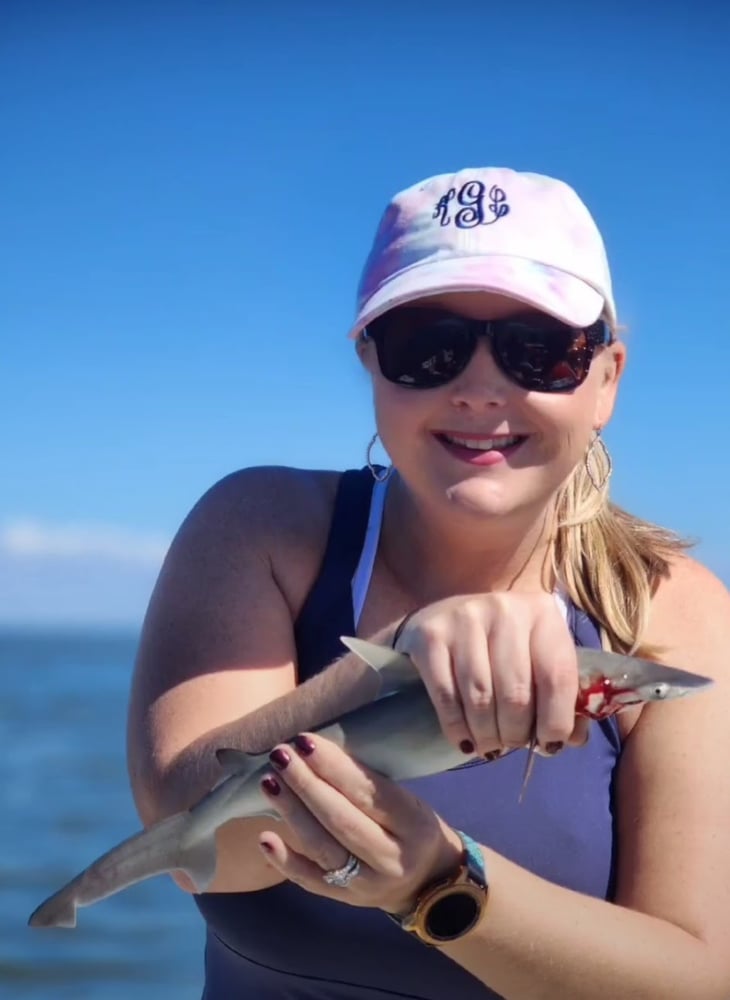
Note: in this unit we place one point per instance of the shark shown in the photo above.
(395, 732)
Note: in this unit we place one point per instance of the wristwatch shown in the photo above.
(449, 908)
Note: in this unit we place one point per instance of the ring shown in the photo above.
(341, 877)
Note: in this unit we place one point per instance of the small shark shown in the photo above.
(396, 733)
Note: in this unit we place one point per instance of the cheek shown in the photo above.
(566, 423)
(400, 417)
(395, 405)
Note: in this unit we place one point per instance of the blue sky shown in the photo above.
(188, 193)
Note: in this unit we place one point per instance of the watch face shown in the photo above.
(453, 915)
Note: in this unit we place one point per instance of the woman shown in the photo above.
(487, 325)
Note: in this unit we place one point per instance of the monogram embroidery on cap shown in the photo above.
(471, 197)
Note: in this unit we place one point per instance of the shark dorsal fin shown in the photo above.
(395, 670)
(238, 761)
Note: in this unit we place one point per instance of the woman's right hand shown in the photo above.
(499, 668)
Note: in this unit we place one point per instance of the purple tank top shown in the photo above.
(286, 944)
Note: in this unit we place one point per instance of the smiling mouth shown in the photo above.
(502, 442)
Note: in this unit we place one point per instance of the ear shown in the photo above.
(366, 352)
(612, 361)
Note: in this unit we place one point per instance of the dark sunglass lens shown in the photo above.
(543, 356)
(423, 351)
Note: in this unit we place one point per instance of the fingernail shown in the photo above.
(304, 745)
(280, 758)
(466, 746)
(271, 785)
(555, 747)
(492, 755)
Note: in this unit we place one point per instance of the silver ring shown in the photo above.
(341, 877)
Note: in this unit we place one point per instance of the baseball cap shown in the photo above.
(491, 229)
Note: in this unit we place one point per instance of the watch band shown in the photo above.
(474, 859)
(450, 907)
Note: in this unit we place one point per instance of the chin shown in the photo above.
(484, 499)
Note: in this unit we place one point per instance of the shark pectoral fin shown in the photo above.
(238, 761)
(395, 670)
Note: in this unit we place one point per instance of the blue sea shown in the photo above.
(65, 800)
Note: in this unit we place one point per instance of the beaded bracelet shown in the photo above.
(399, 630)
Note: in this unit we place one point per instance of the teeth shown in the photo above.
(483, 444)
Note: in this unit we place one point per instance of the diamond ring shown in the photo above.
(341, 877)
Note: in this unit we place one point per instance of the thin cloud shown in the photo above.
(25, 538)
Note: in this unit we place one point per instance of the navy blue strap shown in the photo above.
(327, 612)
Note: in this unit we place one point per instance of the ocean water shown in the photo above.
(64, 800)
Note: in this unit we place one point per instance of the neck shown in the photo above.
(434, 551)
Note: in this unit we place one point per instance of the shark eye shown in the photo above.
(659, 691)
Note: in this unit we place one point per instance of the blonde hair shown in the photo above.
(609, 561)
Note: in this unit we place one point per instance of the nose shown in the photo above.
(481, 385)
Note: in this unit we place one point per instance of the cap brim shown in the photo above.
(555, 292)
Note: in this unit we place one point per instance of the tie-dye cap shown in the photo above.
(490, 229)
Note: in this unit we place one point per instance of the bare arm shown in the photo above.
(218, 643)
(667, 937)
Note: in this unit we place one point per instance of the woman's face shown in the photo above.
(427, 432)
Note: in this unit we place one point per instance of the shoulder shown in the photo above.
(688, 624)
(275, 500)
(276, 515)
(690, 608)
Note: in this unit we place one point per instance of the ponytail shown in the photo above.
(608, 561)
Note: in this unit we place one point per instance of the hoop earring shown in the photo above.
(598, 444)
(379, 475)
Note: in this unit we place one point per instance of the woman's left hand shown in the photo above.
(333, 806)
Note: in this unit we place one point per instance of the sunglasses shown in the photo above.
(424, 348)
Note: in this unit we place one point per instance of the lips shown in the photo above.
(478, 449)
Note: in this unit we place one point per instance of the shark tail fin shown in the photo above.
(59, 910)
(163, 847)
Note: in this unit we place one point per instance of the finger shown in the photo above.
(433, 662)
(298, 868)
(391, 865)
(388, 804)
(312, 838)
(555, 677)
(332, 810)
(509, 655)
(581, 732)
(473, 676)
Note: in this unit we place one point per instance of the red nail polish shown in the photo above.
(280, 758)
(492, 755)
(554, 747)
(271, 786)
(304, 745)
(466, 746)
